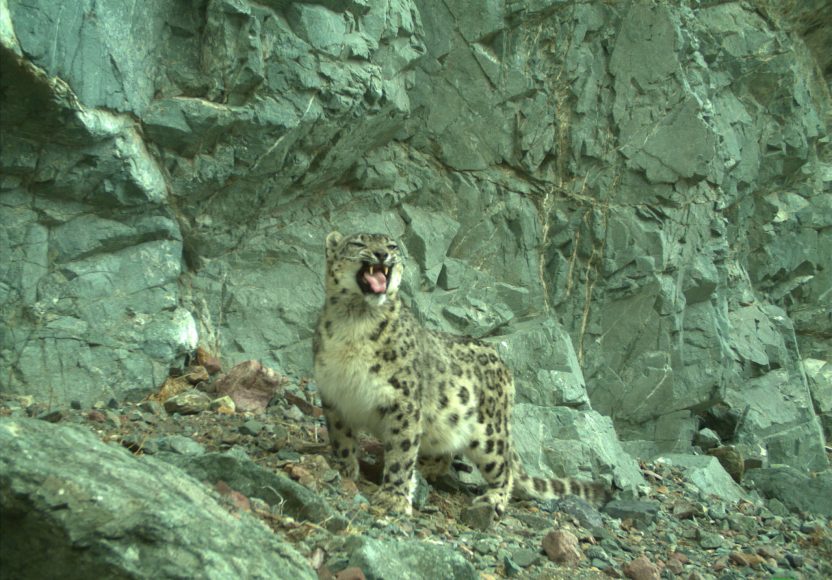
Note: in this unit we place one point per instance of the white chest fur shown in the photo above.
(342, 371)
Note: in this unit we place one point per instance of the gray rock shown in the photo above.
(546, 370)
(796, 489)
(245, 476)
(565, 442)
(408, 560)
(710, 540)
(252, 427)
(106, 513)
(639, 177)
(189, 402)
(777, 414)
(707, 439)
(178, 444)
(643, 513)
(819, 375)
(708, 475)
(477, 517)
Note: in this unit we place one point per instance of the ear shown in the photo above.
(332, 241)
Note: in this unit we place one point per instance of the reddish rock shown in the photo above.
(641, 569)
(675, 566)
(211, 363)
(562, 547)
(351, 573)
(250, 385)
(96, 416)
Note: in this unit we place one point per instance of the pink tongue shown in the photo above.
(377, 281)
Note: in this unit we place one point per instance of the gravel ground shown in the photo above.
(672, 531)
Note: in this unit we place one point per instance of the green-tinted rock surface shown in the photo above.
(73, 504)
(631, 198)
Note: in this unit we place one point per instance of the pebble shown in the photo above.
(795, 560)
(710, 540)
(512, 568)
(641, 569)
(188, 402)
(152, 407)
(524, 557)
(477, 517)
(561, 547)
(224, 405)
(251, 427)
(642, 513)
(53, 416)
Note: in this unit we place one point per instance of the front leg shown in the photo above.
(342, 439)
(401, 431)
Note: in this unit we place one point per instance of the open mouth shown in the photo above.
(372, 278)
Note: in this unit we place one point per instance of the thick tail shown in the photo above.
(593, 492)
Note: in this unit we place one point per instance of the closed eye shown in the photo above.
(392, 247)
(357, 244)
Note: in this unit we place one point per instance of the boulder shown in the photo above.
(95, 510)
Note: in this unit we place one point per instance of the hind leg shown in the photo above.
(492, 457)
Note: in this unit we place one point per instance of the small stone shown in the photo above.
(251, 427)
(152, 407)
(53, 416)
(197, 375)
(641, 569)
(685, 510)
(180, 445)
(188, 402)
(135, 416)
(717, 511)
(113, 404)
(674, 566)
(586, 515)
(113, 418)
(96, 416)
(739, 559)
(75, 404)
(731, 459)
(642, 513)
(512, 568)
(769, 552)
(795, 560)
(524, 557)
(720, 564)
(707, 439)
(477, 517)
(710, 540)
(282, 455)
(224, 405)
(562, 547)
(251, 385)
(810, 528)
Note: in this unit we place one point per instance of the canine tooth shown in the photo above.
(386, 270)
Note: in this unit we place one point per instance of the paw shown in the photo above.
(348, 468)
(392, 502)
(497, 500)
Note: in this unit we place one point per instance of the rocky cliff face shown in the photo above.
(633, 200)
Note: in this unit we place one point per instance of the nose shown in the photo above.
(381, 256)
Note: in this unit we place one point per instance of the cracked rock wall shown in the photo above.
(631, 199)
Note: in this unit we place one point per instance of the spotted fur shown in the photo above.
(427, 395)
